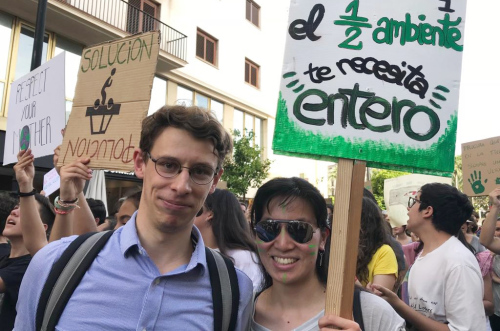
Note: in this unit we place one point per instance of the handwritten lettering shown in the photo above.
(446, 35)
(134, 51)
(300, 29)
(41, 134)
(32, 86)
(415, 82)
(349, 98)
(321, 74)
(98, 149)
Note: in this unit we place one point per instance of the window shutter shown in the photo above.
(210, 52)
(200, 46)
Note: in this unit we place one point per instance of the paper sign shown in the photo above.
(37, 108)
(398, 190)
(374, 81)
(481, 166)
(111, 100)
(51, 182)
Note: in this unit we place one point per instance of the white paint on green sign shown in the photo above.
(372, 81)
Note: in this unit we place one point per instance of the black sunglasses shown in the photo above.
(299, 231)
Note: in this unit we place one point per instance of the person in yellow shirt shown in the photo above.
(377, 263)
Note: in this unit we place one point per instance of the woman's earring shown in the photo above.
(321, 258)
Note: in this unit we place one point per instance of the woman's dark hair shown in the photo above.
(287, 190)
(229, 225)
(47, 213)
(372, 236)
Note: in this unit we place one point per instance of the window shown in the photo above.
(253, 12)
(206, 47)
(72, 64)
(187, 97)
(184, 96)
(5, 37)
(252, 73)
(142, 16)
(244, 122)
(158, 95)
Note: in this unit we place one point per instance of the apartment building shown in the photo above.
(224, 55)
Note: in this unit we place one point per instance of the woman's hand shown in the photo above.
(73, 177)
(329, 322)
(25, 170)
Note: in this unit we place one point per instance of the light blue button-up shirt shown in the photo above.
(123, 290)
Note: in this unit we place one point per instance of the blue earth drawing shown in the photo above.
(24, 139)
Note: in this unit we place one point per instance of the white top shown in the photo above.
(378, 315)
(446, 285)
(248, 262)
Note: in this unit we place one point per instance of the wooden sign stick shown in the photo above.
(345, 237)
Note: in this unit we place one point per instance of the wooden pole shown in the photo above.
(345, 237)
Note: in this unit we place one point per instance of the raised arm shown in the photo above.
(34, 235)
(487, 237)
(73, 178)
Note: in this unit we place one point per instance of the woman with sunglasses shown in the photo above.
(289, 217)
(223, 226)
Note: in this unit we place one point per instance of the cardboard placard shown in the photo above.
(481, 166)
(51, 182)
(374, 81)
(37, 108)
(111, 100)
(398, 190)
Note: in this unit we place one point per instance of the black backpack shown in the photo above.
(69, 270)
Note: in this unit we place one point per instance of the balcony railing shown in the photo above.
(126, 17)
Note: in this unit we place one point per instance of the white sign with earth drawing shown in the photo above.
(37, 111)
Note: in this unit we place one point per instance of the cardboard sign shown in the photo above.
(111, 100)
(37, 108)
(51, 182)
(398, 190)
(374, 81)
(481, 166)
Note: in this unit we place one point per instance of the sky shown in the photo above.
(478, 113)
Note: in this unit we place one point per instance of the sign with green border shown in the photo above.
(372, 81)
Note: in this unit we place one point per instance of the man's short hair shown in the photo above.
(8, 200)
(98, 209)
(451, 208)
(47, 213)
(199, 122)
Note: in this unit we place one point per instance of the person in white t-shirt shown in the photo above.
(445, 284)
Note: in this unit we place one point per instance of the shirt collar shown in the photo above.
(129, 239)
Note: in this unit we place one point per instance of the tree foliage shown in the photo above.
(378, 177)
(245, 168)
(457, 177)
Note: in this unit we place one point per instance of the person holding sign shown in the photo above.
(487, 237)
(445, 284)
(289, 217)
(152, 274)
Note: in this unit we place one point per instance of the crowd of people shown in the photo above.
(154, 269)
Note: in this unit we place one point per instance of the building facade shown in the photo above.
(223, 55)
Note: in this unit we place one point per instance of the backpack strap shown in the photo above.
(225, 290)
(65, 276)
(356, 308)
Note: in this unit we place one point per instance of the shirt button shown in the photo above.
(157, 281)
(144, 329)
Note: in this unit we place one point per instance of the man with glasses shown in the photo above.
(445, 284)
(152, 274)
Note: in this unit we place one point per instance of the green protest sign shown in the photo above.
(372, 81)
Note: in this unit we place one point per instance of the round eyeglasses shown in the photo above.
(169, 167)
